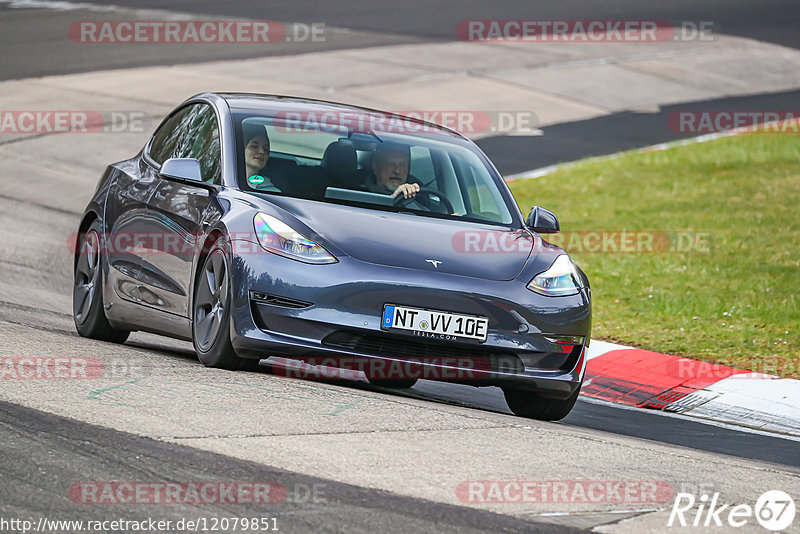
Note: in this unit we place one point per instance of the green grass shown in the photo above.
(736, 304)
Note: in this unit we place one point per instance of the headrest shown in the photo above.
(339, 162)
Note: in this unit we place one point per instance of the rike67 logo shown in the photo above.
(774, 510)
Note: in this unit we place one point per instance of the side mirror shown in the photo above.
(543, 221)
(182, 169)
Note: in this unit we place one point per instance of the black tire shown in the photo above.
(399, 383)
(87, 290)
(529, 404)
(211, 314)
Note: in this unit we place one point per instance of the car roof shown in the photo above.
(274, 104)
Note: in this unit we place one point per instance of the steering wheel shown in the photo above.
(432, 196)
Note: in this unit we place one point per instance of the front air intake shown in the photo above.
(275, 300)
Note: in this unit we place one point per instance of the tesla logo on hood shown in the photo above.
(435, 263)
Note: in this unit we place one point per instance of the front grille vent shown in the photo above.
(399, 348)
(275, 300)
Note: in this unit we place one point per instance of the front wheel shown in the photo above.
(211, 318)
(529, 404)
(87, 291)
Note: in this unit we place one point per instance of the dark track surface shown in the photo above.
(612, 133)
(637, 423)
(774, 21)
(40, 35)
(42, 454)
(60, 452)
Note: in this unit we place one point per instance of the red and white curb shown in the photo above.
(658, 381)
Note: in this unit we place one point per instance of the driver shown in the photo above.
(389, 176)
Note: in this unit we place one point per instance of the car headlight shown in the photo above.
(560, 280)
(278, 237)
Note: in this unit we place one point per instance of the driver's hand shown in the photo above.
(407, 190)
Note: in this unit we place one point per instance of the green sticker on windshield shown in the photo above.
(256, 179)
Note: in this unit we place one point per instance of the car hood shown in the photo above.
(409, 241)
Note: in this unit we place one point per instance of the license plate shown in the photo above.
(434, 324)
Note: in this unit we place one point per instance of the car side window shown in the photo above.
(201, 142)
(168, 135)
(191, 132)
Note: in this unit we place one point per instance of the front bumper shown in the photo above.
(282, 307)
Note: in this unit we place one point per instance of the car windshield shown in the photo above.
(363, 166)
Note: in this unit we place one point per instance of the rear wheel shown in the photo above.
(87, 291)
(529, 404)
(211, 318)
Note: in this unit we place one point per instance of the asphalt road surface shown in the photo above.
(60, 451)
(41, 35)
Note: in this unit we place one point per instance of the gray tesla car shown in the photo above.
(332, 236)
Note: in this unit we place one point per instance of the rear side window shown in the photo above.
(190, 132)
